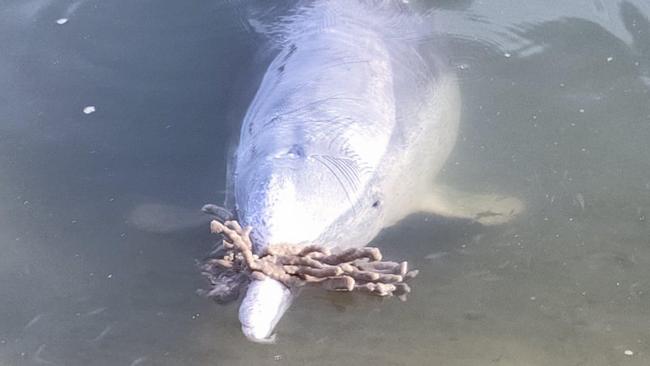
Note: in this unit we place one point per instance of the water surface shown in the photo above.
(96, 270)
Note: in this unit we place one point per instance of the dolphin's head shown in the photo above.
(293, 197)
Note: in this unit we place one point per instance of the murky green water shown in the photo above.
(555, 111)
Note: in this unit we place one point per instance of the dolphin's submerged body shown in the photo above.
(352, 121)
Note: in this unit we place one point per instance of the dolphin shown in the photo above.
(352, 122)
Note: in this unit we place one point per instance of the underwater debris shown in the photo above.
(233, 264)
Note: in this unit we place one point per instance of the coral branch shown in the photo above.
(295, 265)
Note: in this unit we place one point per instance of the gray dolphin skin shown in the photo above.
(352, 121)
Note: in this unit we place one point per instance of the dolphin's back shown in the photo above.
(326, 94)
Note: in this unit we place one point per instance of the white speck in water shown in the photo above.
(581, 110)
(102, 334)
(138, 361)
(96, 311)
(33, 321)
(110, 275)
(610, 59)
(628, 352)
(581, 200)
(89, 109)
(434, 256)
(533, 298)
(277, 357)
(37, 356)
(507, 55)
(61, 21)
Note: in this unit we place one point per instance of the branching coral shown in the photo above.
(297, 265)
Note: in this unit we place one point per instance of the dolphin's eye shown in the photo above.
(296, 151)
(293, 152)
(376, 204)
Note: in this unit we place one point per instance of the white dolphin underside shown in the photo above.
(354, 118)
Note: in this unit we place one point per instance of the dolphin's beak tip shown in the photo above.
(256, 336)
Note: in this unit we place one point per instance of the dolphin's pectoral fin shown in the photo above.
(486, 209)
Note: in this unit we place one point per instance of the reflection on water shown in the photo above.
(554, 110)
